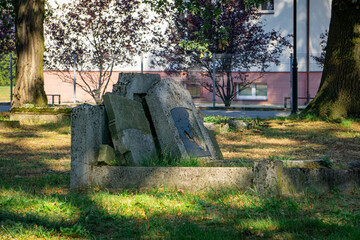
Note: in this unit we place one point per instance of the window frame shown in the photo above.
(253, 93)
(270, 11)
(196, 86)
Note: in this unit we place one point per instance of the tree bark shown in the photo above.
(339, 91)
(29, 82)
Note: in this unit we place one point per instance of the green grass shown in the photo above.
(46, 210)
(36, 203)
(216, 119)
(4, 93)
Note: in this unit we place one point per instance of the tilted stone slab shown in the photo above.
(130, 130)
(178, 126)
(88, 131)
(130, 84)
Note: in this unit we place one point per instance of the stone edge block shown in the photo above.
(88, 132)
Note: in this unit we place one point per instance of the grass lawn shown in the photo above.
(295, 139)
(36, 203)
(4, 93)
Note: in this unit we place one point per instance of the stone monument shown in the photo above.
(144, 117)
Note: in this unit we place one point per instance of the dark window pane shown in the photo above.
(194, 89)
(246, 92)
(261, 90)
(267, 6)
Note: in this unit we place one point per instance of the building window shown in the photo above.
(267, 7)
(257, 91)
(194, 89)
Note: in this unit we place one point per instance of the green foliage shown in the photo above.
(249, 3)
(325, 161)
(216, 119)
(347, 122)
(5, 70)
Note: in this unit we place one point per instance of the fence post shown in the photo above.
(74, 62)
(294, 104)
(11, 79)
(213, 79)
(291, 79)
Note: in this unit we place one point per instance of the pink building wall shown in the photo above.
(278, 87)
(55, 85)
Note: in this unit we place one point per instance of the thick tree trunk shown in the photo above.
(339, 92)
(29, 83)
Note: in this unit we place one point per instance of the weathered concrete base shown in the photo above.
(268, 177)
(301, 179)
(284, 181)
(186, 178)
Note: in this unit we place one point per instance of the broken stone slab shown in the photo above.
(238, 125)
(130, 84)
(88, 131)
(141, 145)
(220, 128)
(130, 129)
(106, 155)
(224, 128)
(210, 126)
(215, 143)
(177, 123)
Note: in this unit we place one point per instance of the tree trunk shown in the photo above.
(339, 91)
(29, 82)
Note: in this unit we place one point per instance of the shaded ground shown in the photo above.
(36, 203)
(295, 140)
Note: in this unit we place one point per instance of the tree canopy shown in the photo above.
(228, 29)
(7, 27)
(99, 35)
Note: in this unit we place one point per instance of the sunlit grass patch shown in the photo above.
(4, 93)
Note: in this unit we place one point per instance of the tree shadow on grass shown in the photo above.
(44, 200)
(206, 218)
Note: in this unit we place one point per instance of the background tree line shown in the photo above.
(5, 69)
